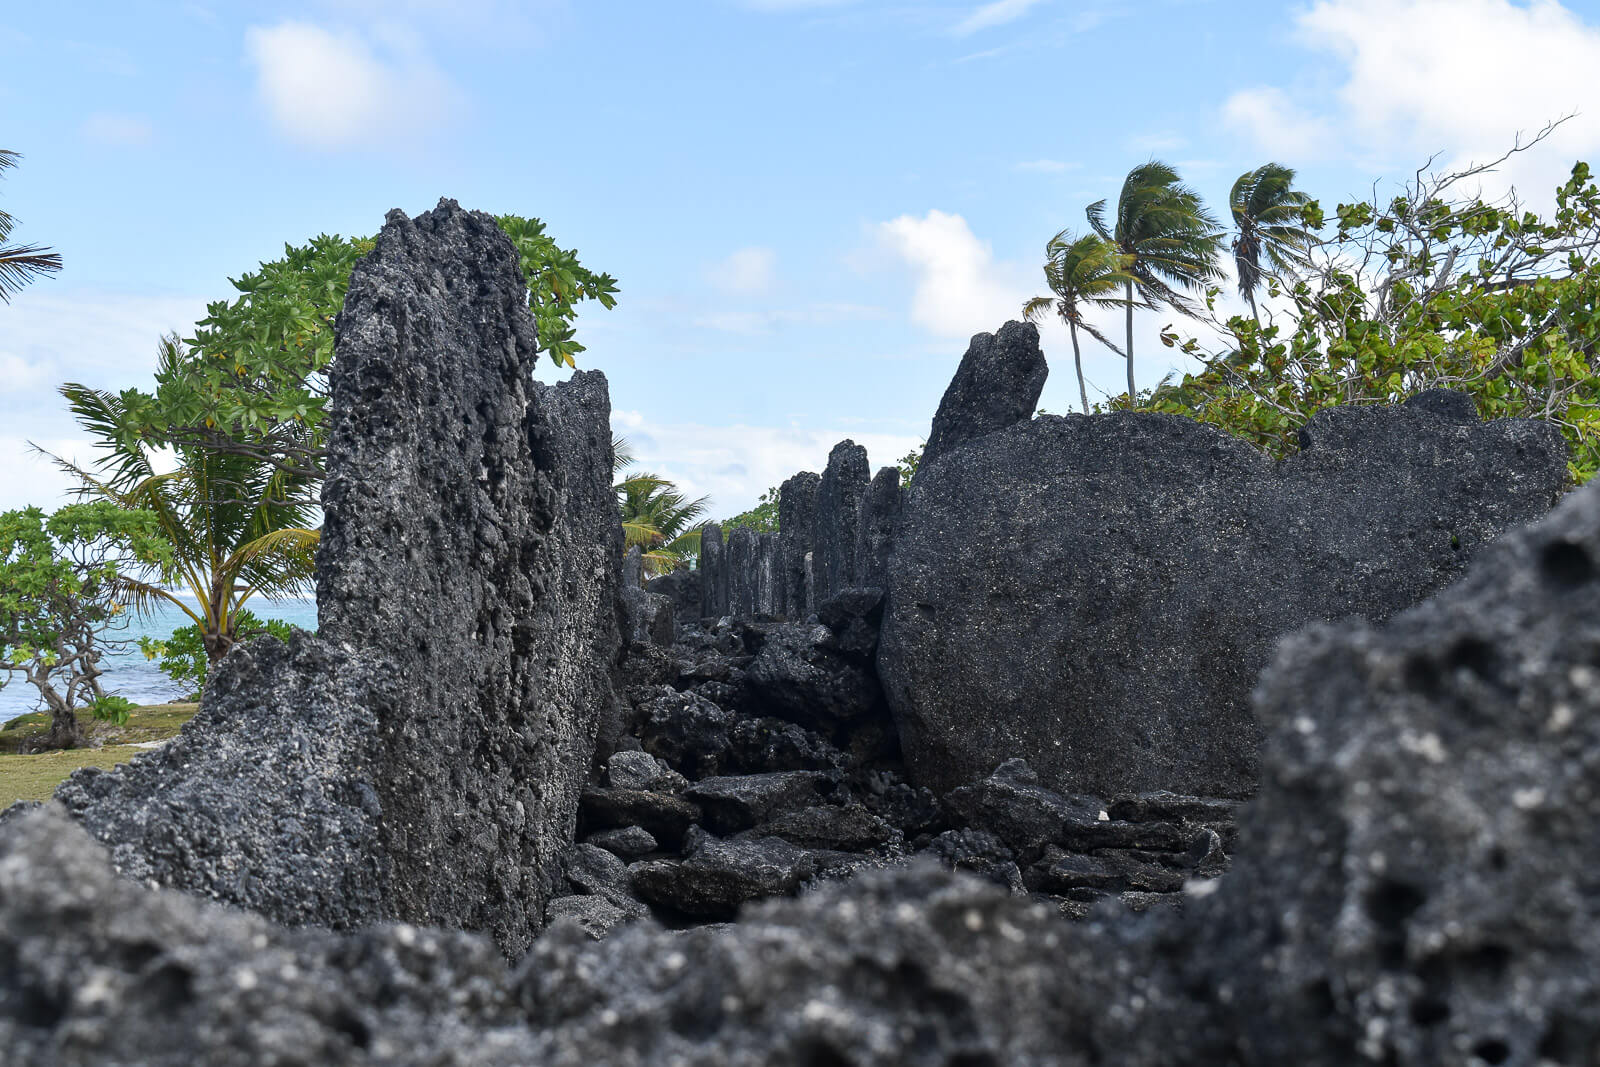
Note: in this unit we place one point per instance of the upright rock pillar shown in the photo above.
(420, 759)
(797, 513)
(838, 508)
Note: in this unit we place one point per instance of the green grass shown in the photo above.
(35, 776)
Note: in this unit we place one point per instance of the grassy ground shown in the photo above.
(35, 777)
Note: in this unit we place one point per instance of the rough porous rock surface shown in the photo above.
(681, 586)
(1416, 883)
(797, 513)
(468, 571)
(1106, 589)
(1413, 886)
(714, 576)
(833, 525)
(268, 799)
(880, 511)
(996, 385)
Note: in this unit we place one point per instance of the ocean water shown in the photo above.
(129, 674)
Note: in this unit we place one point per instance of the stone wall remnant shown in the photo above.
(422, 755)
(1097, 594)
(714, 573)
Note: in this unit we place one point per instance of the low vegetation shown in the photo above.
(29, 774)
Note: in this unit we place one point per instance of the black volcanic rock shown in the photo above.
(996, 385)
(1105, 589)
(834, 523)
(716, 876)
(714, 572)
(798, 677)
(797, 510)
(880, 511)
(421, 758)
(1430, 799)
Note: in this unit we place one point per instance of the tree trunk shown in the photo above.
(1249, 294)
(1077, 362)
(1133, 396)
(64, 729)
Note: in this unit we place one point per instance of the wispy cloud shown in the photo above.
(746, 270)
(734, 465)
(332, 90)
(996, 13)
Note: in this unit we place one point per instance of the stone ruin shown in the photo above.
(810, 825)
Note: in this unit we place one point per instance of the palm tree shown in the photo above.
(1171, 240)
(20, 264)
(239, 525)
(655, 515)
(1081, 271)
(1268, 219)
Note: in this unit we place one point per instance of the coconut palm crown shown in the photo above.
(655, 515)
(239, 525)
(1269, 222)
(20, 264)
(1083, 272)
(1171, 239)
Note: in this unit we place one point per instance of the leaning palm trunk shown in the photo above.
(1133, 397)
(1077, 363)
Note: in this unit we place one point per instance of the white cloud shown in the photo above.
(55, 334)
(122, 130)
(996, 13)
(18, 375)
(1462, 77)
(734, 465)
(747, 270)
(333, 91)
(1279, 126)
(960, 288)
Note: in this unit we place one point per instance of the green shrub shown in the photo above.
(183, 655)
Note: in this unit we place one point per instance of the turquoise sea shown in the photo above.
(129, 674)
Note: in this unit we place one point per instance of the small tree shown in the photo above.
(253, 378)
(1433, 288)
(183, 656)
(763, 518)
(58, 600)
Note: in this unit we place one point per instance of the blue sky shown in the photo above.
(810, 205)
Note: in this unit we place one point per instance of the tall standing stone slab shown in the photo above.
(833, 526)
(1097, 594)
(767, 574)
(997, 385)
(742, 564)
(880, 511)
(797, 512)
(420, 759)
(714, 581)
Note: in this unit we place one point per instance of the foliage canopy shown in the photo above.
(1432, 288)
(60, 593)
